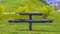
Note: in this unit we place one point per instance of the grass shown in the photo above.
(23, 28)
(38, 28)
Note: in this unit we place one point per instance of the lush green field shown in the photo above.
(38, 28)
(23, 28)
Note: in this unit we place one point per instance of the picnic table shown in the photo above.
(30, 20)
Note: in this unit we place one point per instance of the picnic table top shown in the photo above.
(30, 13)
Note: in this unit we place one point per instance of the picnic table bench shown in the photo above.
(30, 20)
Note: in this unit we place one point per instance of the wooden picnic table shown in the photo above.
(30, 20)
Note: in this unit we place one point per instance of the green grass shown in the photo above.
(23, 28)
(38, 28)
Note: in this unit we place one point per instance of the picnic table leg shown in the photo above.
(30, 23)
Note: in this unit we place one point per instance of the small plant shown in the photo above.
(49, 11)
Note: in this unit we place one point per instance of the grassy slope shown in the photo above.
(18, 2)
(22, 28)
(14, 3)
(42, 28)
(33, 4)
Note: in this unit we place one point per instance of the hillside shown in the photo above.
(10, 6)
(33, 5)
